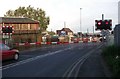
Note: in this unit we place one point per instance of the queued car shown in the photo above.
(94, 40)
(75, 40)
(8, 53)
(85, 40)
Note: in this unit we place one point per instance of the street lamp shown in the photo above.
(80, 24)
(80, 21)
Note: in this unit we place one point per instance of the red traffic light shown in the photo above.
(106, 23)
(103, 24)
(7, 29)
(99, 23)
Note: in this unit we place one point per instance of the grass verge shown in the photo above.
(111, 54)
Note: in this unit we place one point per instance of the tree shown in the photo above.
(9, 13)
(51, 33)
(30, 12)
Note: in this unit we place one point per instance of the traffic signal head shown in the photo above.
(7, 29)
(105, 24)
(98, 24)
(108, 24)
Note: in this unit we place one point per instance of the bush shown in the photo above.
(111, 55)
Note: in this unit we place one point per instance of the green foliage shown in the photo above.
(31, 12)
(51, 33)
(112, 57)
(111, 50)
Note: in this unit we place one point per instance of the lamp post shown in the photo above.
(80, 21)
(80, 24)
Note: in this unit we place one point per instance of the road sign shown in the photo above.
(63, 33)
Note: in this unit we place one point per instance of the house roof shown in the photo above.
(17, 20)
(67, 30)
(58, 31)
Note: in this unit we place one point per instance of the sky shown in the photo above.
(68, 11)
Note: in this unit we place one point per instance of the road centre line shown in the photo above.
(73, 66)
(80, 61)
(76, 75)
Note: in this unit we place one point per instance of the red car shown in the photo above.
(8, 53)
(85, 40)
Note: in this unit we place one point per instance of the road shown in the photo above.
(69, 60)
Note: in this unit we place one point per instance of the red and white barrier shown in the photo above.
(41, 43)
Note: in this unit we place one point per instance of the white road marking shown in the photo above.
(31, 59)
(79, 62)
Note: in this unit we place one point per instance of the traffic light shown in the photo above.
(108, 24)
(105, 24)
(7, 29)
(98, 24)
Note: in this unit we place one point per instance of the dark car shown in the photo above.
(8, 53)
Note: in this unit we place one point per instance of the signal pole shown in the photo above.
(102, 17)
(102, 30)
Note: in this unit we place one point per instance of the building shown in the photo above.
(117, 29)
(65, 31)
(65, 34)
(119, 12)
(117, 35)
(25, 30)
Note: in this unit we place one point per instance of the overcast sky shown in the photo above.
(68, 11)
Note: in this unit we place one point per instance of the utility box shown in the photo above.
(117, 35)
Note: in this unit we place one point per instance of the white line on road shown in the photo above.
(31, 59)
(79, 62)
(74, 65)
